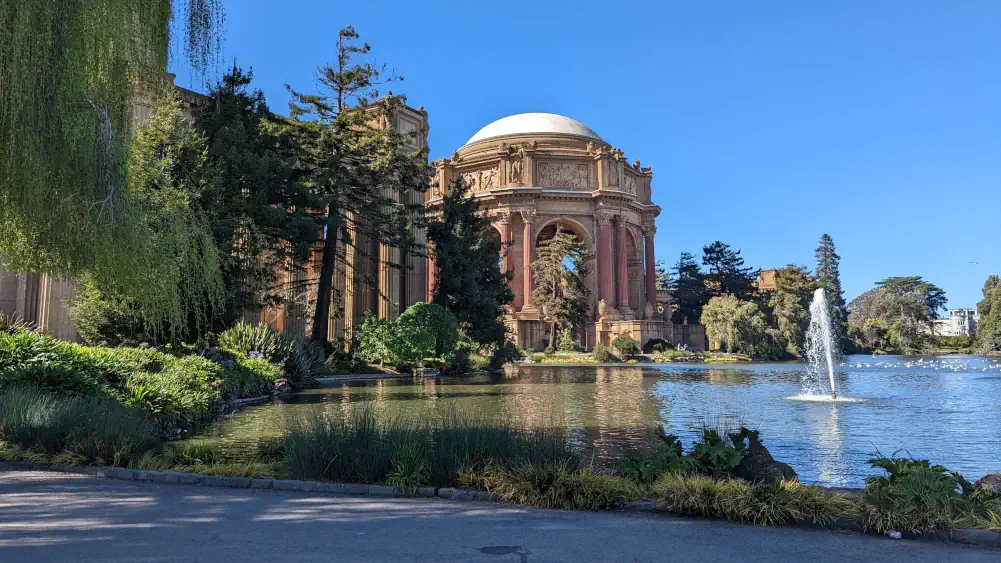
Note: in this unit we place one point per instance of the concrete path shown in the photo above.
(65, 517)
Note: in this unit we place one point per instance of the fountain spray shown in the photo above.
(820, 338)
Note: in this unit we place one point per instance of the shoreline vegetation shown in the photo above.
(725, 475)
(69, 404)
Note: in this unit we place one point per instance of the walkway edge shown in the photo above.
(980, 538)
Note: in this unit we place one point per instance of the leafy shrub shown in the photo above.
(456, 362)
(93, 429)
(914, 497)
(565, 341)
(657, 345)
(31, 358)
(423, 330)
(601, 354)
(667, 458)
(625, 345)
(715, 456)
(104, 321)
(301, 360)
(375, 340)
(549, 351)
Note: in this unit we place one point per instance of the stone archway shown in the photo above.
(584, 333)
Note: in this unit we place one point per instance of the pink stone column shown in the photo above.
(605, 261)
(505, 237)
(621, 258)
(651, 267)
(432, 280)
(528, 255)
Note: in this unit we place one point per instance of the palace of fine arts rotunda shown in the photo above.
(533, 172)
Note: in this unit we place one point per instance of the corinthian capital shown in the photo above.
(503, 217)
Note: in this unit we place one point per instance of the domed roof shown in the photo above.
(528, 123)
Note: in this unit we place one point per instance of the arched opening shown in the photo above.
(494, 235)
(582, 314)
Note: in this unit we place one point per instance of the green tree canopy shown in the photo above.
(725, 272)
(905, 305)
(69, 71)
(790, 304)
(989, 309)
(737, 325)
(470, 283)
(689, 290)
(256, 206)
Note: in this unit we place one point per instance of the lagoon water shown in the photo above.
(944, 408)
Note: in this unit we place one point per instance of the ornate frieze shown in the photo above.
(564, 175)
(480, 180)
(629, 184)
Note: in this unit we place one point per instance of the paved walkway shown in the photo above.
(64, 517)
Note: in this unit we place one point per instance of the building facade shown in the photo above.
(533, 172)
(960, 322)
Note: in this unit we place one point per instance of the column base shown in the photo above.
(529, 313)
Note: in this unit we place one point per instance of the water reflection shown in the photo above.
(943, 410)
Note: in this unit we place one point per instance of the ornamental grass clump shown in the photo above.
(80, 430)
(428, 447)
(787, 502)
(559, 483)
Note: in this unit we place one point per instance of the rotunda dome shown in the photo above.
(529, 123)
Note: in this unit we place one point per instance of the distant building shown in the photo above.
(767, 280)
(960, 322)
(963, 322)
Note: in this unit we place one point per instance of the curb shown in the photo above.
(319, 488)
(976, 537)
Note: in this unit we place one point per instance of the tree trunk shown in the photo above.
(321, 318)
(552, 336)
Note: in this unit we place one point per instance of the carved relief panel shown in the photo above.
(481, 180)
(629, 184)
(564, 175)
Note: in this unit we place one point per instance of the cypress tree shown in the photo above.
(828, 276)
(470, 282)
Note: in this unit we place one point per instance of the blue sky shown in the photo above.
(766, 123)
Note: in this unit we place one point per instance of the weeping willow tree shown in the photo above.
(69, 70)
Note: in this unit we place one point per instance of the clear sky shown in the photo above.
(766, 123)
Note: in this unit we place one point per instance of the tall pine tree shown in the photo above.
(689, 290)
(355, 165)
(470, 282)
(725, 272)
(828, 276)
